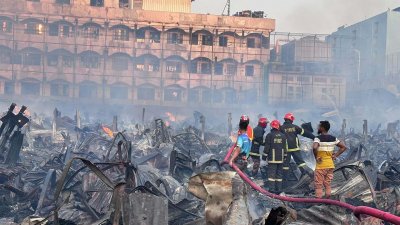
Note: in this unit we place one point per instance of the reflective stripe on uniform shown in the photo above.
(271, 179)
(286, 168)
(278, 180)
(294, 149)
(302, 132)
(274, 161)
(302, 165)
(254, 154)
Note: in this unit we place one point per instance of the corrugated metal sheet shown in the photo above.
(184, 6)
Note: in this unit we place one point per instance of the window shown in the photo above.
(5, 26)
(30, 88)
(223, 41)
(53, 29)
(320, 80)
(146, 93)
(59, 89)
(88, 90)
(195, 39)
(140, 35)
(249, 70)
(173, 67)
(90, 60)
(174, 95)
(91, 32)
(140, 66)
(206, 96)
(31, 59)
(154, 37)
(194, 96)
(175, 38)
(121, 34)
(219, 69)
(5, 56)
(67, 2)
(97, 3)
(57, 29)
(251, 42)
(153, 67)
(120, 63)
(205, 68)
(119, 92)
(217, 96)
(52, 60)
(299, 93)
(290, 92)
(9, 87)
(124, 3)
(230, 96)
(34, 28)
(207, 40)
(231, 69)
(67, 61)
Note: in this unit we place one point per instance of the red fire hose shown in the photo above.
(357, 210)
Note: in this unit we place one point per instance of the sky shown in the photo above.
(304, 16)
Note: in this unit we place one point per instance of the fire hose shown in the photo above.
(357, 210)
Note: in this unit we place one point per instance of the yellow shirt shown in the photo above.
(326, 147)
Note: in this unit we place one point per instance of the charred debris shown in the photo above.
(63, 170)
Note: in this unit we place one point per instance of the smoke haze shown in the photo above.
(304, 16)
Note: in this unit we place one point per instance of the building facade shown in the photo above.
(369, 51)
(116, 51)
(301, 72)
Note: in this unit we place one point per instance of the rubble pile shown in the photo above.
(70, 171)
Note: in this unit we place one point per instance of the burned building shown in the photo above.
(130, 52)
(302, 71)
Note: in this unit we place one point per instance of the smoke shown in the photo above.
(305, 16)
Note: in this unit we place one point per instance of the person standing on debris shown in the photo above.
(275, 150)
(258, 141)
(292, 131)
(246, 120)
(243, 145)
(323, 147)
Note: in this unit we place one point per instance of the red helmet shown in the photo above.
(275, 124)
(289, 116)
(244, 118)
(263, 122)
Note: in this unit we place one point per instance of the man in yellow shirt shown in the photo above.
(324, 146)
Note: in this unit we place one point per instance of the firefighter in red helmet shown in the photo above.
(246, 120)
(275, 150)
(258, 141)
(292, 131)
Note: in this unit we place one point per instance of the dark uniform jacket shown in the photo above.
(275, 147)
(291, 131)
(258, 139)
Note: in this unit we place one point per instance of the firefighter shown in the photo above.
(246, 120)
(258, 141)
(243, 146)
(291, 131)
(275, 150)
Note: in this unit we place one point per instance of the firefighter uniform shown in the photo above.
(258, 141)
(275, 150)
(292, 131)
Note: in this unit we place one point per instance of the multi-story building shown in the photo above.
(130, 51)
(301, 72)
(369, 51)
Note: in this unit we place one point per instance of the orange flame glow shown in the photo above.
(108, 131)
